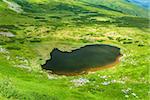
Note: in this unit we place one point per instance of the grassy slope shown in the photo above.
(120, 6)
(67, 25)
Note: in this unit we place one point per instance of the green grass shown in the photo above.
(68, 25)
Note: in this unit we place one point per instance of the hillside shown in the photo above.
(31, 29)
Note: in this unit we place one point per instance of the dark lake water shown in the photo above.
(82, 59)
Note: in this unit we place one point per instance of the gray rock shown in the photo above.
(80, 81)
(7, 34)
(105, 83)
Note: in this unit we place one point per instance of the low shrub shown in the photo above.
(7, 89)
(13, 48)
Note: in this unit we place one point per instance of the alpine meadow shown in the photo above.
(74, 50)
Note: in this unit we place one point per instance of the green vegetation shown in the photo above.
(41, 25)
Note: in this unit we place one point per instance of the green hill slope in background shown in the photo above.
(30, 29)
(122, 6)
